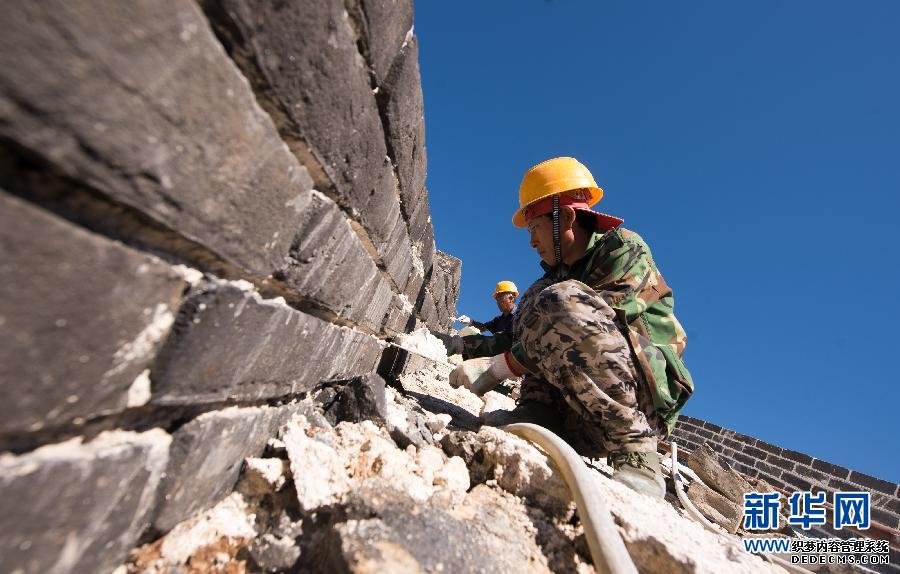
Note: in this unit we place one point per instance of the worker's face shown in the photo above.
(541, 230)
(506, 302)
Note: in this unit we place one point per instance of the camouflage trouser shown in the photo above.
(584, 367)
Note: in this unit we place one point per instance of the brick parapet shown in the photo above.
(788, 469)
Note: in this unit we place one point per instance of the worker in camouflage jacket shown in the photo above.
(595, 338)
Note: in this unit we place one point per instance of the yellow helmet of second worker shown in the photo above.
(551, 177)
(506, 287)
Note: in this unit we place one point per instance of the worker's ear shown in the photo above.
(566, 217)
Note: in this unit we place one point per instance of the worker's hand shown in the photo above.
(453, 343)
(464, 319)
(482, 374)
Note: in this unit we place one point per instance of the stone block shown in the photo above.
(138, 101)
(81, 318)
(72, 507)
(303, 61)
(872, 483)
(799, 457)
(404, 539)
(358, 399)
(444, 285)
(831, 469)
(780, 462)
(400, 97)
(229, 343)
(724, 512)
(400, 317)
(386, 27)
(207, 455)
(397, 362)
(331, 267)
(725, 481)
(428, 312)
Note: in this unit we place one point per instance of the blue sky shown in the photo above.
(754, 145)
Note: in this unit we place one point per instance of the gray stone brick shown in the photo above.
(322, 102)
(713, 427)
(730, 443)
(693, 420)
(329, 266)
(769, 448)
(229, 343)
(803, 459)
(831, 469)
(82, 317)
(428, 312)
(884, 517)
(770, 470)
(207, 455)
(873, 483)
(754, 452)
(444, 286)
(743, 458)
(386, 27)
(72, 507)
(403, 111)
(814, 476)
(138, 101)
(780, 462)
(796, 481)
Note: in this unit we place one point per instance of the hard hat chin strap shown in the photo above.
(557, 250)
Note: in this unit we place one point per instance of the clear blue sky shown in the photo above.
(754, 145)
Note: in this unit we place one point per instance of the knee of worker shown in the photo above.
(566, 307)
(572, 297)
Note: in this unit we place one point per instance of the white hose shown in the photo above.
(692, 510)
(607, 549)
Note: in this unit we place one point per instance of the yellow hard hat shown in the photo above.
(506, 287)
(555, 176)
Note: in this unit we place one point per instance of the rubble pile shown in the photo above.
(344, 490)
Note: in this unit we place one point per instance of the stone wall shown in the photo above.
(206, 210)
(792, 471)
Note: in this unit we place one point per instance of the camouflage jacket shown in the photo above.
(618, 265)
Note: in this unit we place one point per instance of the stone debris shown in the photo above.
(662, 539)
(360, 496)
(79, 506)
(273, 553)
(262, 476)
(437, 423)
(715, 507)
(318, 470)
(422, 342)
(494, 401)
(721, 478)
(228, 519)
(328, 464)
(512, 464)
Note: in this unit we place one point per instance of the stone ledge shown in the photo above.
(207, 455)
(82, 317)
(228, 343)
(72, 507)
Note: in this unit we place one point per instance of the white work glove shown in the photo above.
(482, 374)
(464, 319)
